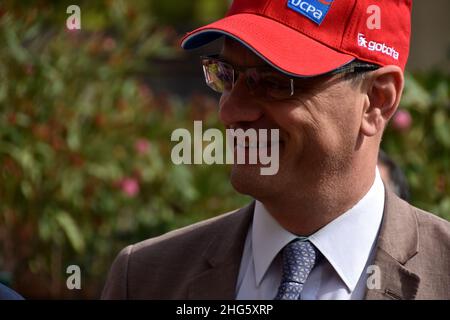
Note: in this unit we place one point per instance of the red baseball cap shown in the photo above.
(311, 37)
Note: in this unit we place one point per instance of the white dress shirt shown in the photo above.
(346, 245)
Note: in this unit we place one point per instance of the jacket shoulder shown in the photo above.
(432, 229)
(140, 270)
(9, 294)
(198, 233)
(432, 262)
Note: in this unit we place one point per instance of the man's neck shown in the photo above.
(303, 213)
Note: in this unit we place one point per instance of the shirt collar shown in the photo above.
(345, 242)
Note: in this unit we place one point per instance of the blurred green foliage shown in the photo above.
(418, 138)
(85, 144)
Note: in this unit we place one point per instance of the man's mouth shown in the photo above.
(255, 144)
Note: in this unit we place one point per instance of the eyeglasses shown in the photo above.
(264, 81)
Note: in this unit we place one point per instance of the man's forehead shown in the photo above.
(236, 53)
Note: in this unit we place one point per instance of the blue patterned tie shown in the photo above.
(299, 258)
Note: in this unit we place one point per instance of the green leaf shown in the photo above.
(13, 43)
(441, 94)
(73, 137)
(71, 230)
(441, 128)
(415, 95)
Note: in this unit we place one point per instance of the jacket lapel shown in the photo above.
(223, 259)
(397, 244)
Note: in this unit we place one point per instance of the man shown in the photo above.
(393, 176)
(8, 294)
(329, 76)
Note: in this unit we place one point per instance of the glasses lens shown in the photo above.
(219, 76)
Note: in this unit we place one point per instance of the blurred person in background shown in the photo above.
(8, 294)
(393, 176)
(328, 75)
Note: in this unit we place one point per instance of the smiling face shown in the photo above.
(319, 130)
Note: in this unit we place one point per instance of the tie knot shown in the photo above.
(299, 258)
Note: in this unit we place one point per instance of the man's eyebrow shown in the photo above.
(223, 58)
(220, 56)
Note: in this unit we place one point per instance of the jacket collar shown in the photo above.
(397, 243)
(223, 257)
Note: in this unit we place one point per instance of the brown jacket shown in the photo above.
(202, 261)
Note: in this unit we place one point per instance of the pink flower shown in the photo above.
(29, 69)
(142, 146)
(130, 186)
(402, 120)
(109, 44)
(145, 91)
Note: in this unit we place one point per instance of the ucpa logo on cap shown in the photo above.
(316, 10)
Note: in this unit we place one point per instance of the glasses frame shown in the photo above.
(353, 67)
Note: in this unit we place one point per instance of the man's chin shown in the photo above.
(247, 179)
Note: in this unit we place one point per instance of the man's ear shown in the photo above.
(384, 88)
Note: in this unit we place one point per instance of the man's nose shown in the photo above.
(239, 105)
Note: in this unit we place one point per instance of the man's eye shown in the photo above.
(275, 82)
(224, 76)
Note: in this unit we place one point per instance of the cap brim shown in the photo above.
(282, 47)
